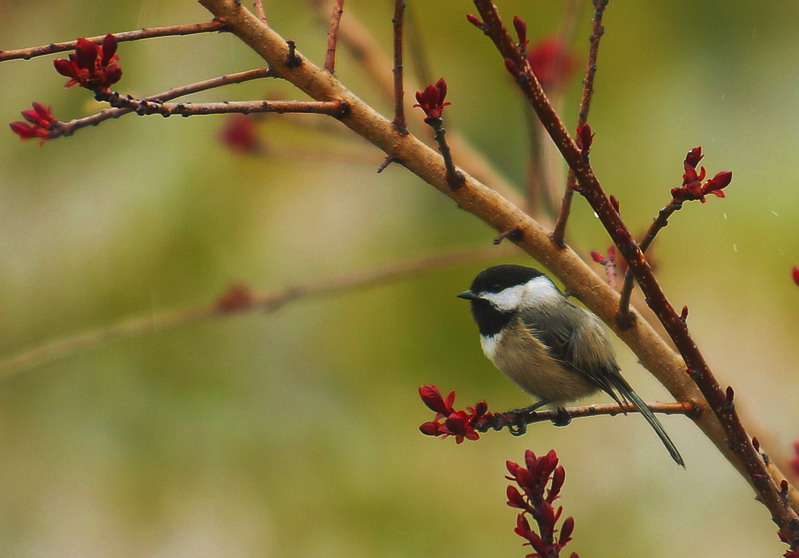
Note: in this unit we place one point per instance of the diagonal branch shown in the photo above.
(735, 442)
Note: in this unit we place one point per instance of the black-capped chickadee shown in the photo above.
(551, 348)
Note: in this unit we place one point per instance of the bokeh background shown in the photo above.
(295, 434)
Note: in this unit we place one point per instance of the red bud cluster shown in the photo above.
(521, 32)
(552, 62)
(39, 118)
(91, 66)
(794, 462)
(692, 180)
(431, 100)
(540, 481)
(584, 140)
(448, 421)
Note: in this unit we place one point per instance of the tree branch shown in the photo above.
(517, 420)
(237, 300)
(69, 128)
(734, 442)
(147, 33)
(332, 35)
(142, 107)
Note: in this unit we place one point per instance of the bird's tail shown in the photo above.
(627, 392)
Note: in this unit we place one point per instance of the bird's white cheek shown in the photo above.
(490, 345)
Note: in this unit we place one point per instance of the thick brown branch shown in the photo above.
(52, 48)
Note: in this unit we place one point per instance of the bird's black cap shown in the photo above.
(500, 277)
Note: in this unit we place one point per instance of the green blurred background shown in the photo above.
(295, 434)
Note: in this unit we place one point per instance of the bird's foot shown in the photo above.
(562, 417)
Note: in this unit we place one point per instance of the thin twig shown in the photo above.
(629, 281)
(332, 35)
(518, 419)
(399, 93)
(143, 107)
(236, 301)
(597, 32)
(147, 33)
(455, 178)
(69, 128)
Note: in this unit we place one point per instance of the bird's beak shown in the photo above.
(467, 295)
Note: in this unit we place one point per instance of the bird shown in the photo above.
(551, 348)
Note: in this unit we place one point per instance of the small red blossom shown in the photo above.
(795, 274)
(448, 420)
(789, 553)
(608, 262)
(476, 21)
(584, 139)
(597, 257)
(539, 484)
(692, 187)
(794, 462)
(431, 100)
(239, 134)
(521, 32)
(91, 66)
(39, 118)
(552, 63)
(237, 297)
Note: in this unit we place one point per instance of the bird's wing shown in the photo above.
(562, 344)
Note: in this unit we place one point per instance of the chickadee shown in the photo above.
(551, 348)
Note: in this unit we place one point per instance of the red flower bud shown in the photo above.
(521, 32)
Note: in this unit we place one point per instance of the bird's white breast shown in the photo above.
(490, 344)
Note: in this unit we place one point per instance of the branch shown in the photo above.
(69, 128)
(399, 94)
(144, 107)
(735, 443)
(332, 35)
(146, 33)
(517, 420)
(237, 300)
(597, 31)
